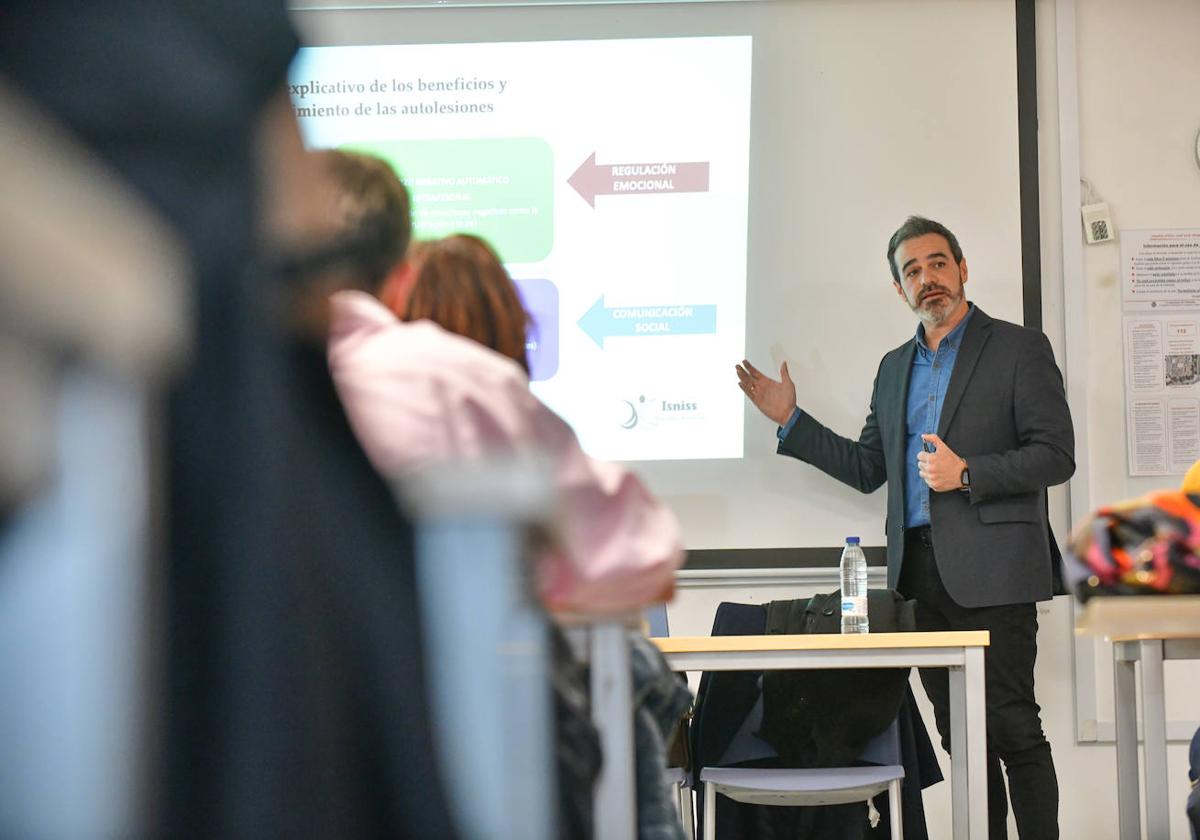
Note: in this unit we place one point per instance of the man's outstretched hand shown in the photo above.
(776, 398)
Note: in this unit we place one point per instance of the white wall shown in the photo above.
(1139, 112)
(1138, 68)
(1138, 72)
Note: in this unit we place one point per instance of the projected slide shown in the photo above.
(611, 177)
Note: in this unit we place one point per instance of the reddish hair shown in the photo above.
(461, 285)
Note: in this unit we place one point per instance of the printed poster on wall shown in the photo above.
(1160, 272)
(1162, 391)
(1160, 269)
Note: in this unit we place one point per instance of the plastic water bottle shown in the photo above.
(854, 588)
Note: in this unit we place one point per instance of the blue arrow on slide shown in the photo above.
(601, 322)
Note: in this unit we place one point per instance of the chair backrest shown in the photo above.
(1194, 752)
(746, 746)
(1193, 800)
(656, 619)
(884, 748)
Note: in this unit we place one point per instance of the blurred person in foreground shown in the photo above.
(292, 699)
(429, 359)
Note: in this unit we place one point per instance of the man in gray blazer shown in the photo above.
(968, 426)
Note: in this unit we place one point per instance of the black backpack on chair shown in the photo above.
(725, 700)
(824, 718)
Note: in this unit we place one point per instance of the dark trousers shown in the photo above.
(1014, 725)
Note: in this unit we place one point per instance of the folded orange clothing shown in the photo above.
(1141, 546)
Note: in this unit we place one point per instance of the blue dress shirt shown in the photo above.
(926, 394)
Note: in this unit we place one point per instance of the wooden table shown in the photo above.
(1147, 629)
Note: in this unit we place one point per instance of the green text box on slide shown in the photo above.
(499, 189)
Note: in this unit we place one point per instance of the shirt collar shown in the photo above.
(354, 312)
(952, 339)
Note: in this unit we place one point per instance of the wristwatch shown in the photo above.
(965, 478)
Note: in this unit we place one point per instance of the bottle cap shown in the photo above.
(851, 540)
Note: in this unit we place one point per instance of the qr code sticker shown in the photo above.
(1182, 370)
(1100, 230)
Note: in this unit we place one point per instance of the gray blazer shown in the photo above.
(1006, 414)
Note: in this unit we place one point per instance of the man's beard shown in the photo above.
(935, 312)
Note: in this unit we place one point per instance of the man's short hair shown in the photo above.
(913, 227)
(372, 211)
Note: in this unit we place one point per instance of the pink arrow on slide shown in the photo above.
(591, 180)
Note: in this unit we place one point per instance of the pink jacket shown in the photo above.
(416, 394)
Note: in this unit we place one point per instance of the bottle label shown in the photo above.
(854, 606)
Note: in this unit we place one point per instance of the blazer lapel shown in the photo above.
(896, 398)
(974, 337)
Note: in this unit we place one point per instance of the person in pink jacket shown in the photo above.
(442, 374)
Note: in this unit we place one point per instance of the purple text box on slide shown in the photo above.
(540, 298)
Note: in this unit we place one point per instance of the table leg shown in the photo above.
(968, 742)
(1154, 732)
(959, 791)
(976, 714)
(1125, 655)
(612, 711)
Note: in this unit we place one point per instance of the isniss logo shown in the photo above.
(648, 413)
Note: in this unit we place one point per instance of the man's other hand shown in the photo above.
(941, 469)
(776, 398)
